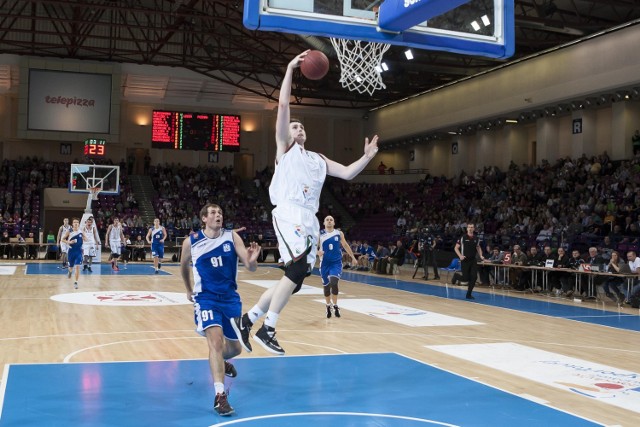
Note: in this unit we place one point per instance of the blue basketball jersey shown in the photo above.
(156, 236)
(77, 246)
(74, 255)
(215, 263)
(330, 244)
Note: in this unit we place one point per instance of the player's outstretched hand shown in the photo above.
(190, 296)
(371, 147)
(295, 62)
(253, 251)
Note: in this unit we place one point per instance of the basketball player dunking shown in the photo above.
(295, 191)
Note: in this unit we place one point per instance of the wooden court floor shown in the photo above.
(36, 329)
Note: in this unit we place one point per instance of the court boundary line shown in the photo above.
(67, 358)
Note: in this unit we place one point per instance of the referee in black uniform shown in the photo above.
(466, 248)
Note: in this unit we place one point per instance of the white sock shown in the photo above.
(255, 313)
(272, 319)
(219, 387)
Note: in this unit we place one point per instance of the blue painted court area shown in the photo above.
(102, 269)
(542, 306)
(382, 390)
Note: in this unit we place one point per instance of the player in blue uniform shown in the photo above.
(331, 262)
(156, 237)
(74, 239)
(214, 253)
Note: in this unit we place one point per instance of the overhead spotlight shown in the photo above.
(470, 128)
(547, 111)
(589, 102)
(460, 130)
(452, 133)
(475, 26)
(408, 54)
(384, 66)
(522, 116)
(480, 126)
(485, 20)
(603, 99)
(622, 94)
(514, 120)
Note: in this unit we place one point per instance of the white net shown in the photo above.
(94, 191)
(360, 64)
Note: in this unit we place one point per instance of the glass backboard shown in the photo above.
(84, 177)
(473, 27)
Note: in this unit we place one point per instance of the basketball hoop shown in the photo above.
(94, 191)
(360, 64)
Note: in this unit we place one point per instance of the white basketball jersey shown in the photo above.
(115, 233)
(65, 229)
(298, 178)
(88, 233)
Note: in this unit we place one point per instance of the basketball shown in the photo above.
(315, 65)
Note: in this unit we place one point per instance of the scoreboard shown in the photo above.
(195, 131)
(94, 148)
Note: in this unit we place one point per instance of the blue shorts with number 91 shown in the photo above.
(217, 310)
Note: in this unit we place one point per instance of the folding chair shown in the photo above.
(452, 268)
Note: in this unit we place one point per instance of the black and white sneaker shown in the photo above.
(266, 337)
(242, 327)
(336, 310)
(328, 312)
(230, 370)
(221, 405)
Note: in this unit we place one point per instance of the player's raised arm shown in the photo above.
(283, 138)
(349, 172)
(248, 256)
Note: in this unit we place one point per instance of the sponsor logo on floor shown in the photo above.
(408, 316)
(123, 298)
(605, 383)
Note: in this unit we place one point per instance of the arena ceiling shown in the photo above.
(208, 38)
